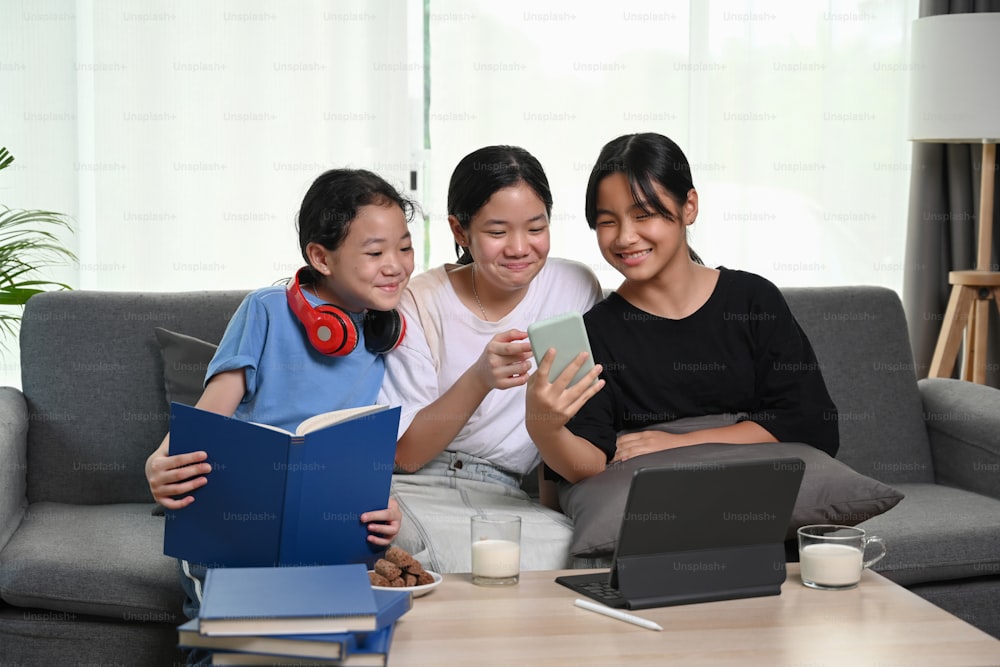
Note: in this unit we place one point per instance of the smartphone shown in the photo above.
(568, 335)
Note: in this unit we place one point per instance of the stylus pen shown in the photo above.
(620, 615)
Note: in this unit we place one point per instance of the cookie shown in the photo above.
(377, 579)
(402, 559)
(388, 570)
(400, 569)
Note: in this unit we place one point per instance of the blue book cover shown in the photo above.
(332, 646)
(372, 649)
(329, 646)
(369, 649)
(288, 600)
(391, 606)
(275, 498)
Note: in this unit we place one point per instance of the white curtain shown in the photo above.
(181, 134)
(791, 114)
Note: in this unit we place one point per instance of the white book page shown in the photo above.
(273, 427)
(335, 417)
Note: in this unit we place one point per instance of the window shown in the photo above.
(791, 114)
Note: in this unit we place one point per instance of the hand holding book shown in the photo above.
(281, 499)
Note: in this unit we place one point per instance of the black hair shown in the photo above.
(482, 173)
(332, 202)
(645, 159)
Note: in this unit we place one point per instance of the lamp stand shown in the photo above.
(971, 293)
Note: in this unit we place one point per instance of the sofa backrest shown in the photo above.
(93, 378)
(863, 348)
(92, 375)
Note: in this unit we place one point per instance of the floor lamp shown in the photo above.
(955, 98)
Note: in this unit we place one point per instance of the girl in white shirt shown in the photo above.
(461, 370)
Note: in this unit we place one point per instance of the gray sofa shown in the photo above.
(82, 577)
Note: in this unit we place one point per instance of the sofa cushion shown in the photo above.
(44, 638)
(185, 360)
(862, 346)
(937, 533)
(830, 493)
(962, 422)
(101, 560)
(92, 374)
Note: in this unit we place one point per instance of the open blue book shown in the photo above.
(277, 498)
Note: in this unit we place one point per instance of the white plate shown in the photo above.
(417, 591)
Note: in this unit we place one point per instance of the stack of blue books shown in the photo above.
(310, 615)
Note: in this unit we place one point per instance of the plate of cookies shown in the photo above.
(399, 571)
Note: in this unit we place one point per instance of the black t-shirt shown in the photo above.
(742, 351)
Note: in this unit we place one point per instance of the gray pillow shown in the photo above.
(185, 360)
(689, 424)
(831, 492)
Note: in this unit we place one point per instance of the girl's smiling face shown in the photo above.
(372, 266)
(634, 238)
(508, 237)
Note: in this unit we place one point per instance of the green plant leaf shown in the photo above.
(17, 296)
(29, 244)
(8, 327)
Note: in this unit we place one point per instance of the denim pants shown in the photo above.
(193, 581)
(439, 500)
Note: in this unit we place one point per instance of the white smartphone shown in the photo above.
(568, 335)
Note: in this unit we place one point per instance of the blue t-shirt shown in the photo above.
(289, 381)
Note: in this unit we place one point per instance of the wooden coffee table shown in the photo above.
(535, 623)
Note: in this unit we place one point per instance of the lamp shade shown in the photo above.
(954, 80)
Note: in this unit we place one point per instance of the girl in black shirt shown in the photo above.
(677, 339)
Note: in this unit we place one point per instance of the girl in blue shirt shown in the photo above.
(291, 352)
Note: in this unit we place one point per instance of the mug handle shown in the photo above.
(874, 539)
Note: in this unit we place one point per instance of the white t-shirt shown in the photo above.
(444, 338)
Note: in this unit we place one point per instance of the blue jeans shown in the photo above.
(459, 466)
(439, 499)
(193, 581)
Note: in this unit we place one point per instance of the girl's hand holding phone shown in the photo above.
(505, 361)
(551, 404)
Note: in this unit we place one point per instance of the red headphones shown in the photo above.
(331, 330)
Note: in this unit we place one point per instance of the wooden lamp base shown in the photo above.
(969, 304)
(968, 313)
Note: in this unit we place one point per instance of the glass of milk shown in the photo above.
(496, 549)
(832, 557)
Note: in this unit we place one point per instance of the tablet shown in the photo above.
(698, 533)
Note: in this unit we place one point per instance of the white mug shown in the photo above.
(832, 557)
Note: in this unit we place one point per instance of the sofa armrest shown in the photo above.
(13, 461)
(963, 424)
